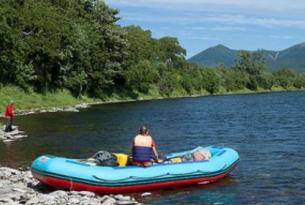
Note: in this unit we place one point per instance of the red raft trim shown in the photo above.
(78, 186)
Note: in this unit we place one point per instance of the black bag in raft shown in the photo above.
(104, 158)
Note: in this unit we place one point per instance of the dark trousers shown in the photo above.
(9, 124)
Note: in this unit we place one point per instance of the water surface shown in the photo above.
(266, 129)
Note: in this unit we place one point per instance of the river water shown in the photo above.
(266, 129)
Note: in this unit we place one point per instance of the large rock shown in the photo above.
(46, 199)
(70, 109)
(6, 173)
(109, 201)
(82, 106)
(74, 201)
(34, 200)
(6, 201)
(59, 194)
(126, 202)
(19, 190)
(11, 136)
(86, 193)
(145, 194)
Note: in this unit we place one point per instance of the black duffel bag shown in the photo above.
(104, 158)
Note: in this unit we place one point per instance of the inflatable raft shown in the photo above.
(73, 174)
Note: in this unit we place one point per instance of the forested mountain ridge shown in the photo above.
(292, 58)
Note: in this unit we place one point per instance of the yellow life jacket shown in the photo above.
(122, 159)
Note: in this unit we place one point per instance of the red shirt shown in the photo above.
(9, 113)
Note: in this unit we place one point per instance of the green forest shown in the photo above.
(78, 47)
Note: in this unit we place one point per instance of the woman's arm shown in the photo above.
(155, 152)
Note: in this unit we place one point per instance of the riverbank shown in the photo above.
(63, 101)
(19, 187)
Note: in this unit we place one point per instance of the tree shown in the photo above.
(141, 45)
(284, 78)
(142, 75)
(266, 81)
(168, 79)
(233, 79)
(211, 80)
(54, 44)
(171, 52)
(252, 65)
(299, 81)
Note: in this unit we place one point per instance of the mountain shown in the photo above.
(293, 57)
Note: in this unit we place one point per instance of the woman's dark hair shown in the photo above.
(143, 130)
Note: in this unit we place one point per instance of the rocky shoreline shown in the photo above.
(75, 108)
(19, 187)
(11, 136)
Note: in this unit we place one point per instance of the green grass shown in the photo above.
(28, 100)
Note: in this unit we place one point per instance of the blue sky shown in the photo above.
(238, 24)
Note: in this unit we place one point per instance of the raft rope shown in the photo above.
(198, 172)
(71, 184)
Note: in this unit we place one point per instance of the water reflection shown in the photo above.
(9, 153)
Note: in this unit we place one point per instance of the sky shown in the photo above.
(200, 24)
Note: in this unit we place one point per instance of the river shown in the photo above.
(266, 129)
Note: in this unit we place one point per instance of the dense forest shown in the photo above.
(77, 45)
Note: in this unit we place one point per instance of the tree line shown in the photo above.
(46, 45)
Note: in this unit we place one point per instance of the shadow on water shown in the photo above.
(192, 194)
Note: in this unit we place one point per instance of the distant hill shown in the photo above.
(293, 57)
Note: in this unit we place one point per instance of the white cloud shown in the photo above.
(153, 19)
(225, 22)
(205, 38)
(199, 28)
(227, 28)
(191, 35)
(217, 28)
(274, 5)
(283, 37)
(266, 22)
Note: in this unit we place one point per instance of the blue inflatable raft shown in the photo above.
(73, 174)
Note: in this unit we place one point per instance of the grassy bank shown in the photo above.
(28, 100)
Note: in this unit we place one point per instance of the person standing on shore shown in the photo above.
(8, 114)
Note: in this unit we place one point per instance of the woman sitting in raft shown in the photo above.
(144, 149)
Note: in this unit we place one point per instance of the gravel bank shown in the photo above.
(19, 187)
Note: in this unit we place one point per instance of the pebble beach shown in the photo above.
(19, 187)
